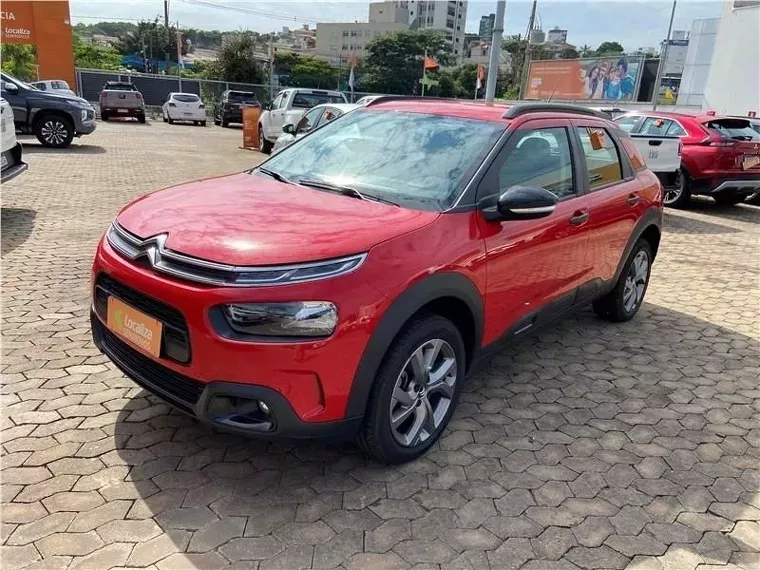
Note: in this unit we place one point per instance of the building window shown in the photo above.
(345, 33)
(456, 51)
(457, 40)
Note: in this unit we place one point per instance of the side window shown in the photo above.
(41, 86)
(308, 121)
(277, 103)
(675, 130)
(601, 157)
(539, 157)
(628, 122)
(655, 127)
(330, 114)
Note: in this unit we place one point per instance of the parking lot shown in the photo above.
(591, 445)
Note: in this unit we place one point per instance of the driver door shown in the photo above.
(277, 114)
(534, 267)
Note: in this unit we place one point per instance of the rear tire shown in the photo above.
(728, 199)
(624, 301)
(225, 122)
(420, 405)
(217, 122)
(680, 195)
(264, 145)
(204, 123)
(54, 131)
(165, 118)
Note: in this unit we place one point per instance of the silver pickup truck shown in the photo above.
(120, 99)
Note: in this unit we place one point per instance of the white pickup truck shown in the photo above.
(662, 155)
(288, 107)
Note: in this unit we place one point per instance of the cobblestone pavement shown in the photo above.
(588, 446)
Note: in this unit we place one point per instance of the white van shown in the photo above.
(12, 163)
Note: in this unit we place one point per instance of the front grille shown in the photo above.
(178, 389)
(175, 341)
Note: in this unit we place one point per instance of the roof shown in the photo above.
(450, 107)
(674, 115)
(342, 107)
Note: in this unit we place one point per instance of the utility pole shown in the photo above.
(271, 66)
(495, 55)
(168, 35)
(526, 60)
(663, 60)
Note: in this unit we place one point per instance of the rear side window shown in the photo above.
(186, 98)
(738, 129)
(120, 87)
(539, 157)
(627, 123)
(242, 97)
(601, 157)
(655, 126)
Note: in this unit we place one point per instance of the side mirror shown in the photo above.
(289, 129)
(10, 87)
(521, 203)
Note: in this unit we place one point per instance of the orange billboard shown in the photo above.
(46, 25)
(611, 78)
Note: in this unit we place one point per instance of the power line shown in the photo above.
(252, 11)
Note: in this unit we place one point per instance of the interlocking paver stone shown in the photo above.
(642, 436)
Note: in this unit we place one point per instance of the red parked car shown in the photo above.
(344, 287)
(720, 158)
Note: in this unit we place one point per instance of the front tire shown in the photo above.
(54, 131)
(225, 122)
(679, 195)
(415, 391)
(624, 301)
(141, 118)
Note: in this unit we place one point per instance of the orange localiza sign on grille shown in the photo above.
(46, 25)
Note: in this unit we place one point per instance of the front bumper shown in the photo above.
(15, 165)
(240, 413)
(86, 127)
(315, 377)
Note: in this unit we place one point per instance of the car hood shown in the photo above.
(249, 219)
(51, 96)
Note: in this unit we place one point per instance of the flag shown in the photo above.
(430, 63)
(352, 63)
(481, 75)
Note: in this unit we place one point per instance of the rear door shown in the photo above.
(614, 198)
(535, 266)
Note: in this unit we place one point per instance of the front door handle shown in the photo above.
(579, 217)
(632, 200)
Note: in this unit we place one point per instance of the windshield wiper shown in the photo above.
(276, 175)
(344, 191)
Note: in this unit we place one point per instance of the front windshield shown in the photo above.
(408, 158)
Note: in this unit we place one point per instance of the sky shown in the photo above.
(633, 24)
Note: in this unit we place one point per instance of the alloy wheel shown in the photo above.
(54, 132)
(423, 393)
(636, 281)
(673, 193)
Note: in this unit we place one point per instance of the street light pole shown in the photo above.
(168, 35)
(495, 55)
(663, 60)
(526, 59)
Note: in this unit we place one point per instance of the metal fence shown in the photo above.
(155, 88)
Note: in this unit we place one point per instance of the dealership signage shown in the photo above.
(17, 23)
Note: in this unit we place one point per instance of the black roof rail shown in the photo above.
(524, 108)
(386, 98)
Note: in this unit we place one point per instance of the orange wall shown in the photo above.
(45, 24)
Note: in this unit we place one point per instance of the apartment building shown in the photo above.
(336, 42)
(450, 17)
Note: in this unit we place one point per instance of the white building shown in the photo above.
(387, 12)
(721, 71)
(449, 17)
(336, 42)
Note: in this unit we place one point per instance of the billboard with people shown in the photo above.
(609, 78)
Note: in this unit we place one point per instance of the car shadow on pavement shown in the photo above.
(73, 149)
(739, 212)
(16, 225)
(678, 224)
(601, 443)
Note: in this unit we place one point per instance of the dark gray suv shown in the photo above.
(54, 119)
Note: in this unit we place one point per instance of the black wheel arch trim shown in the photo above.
(651, 218)
(400, 312)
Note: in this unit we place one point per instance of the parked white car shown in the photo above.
(288, 107)
(313, 119)
(54, 85)
(12, 163)
(184, 107)
(367, 99)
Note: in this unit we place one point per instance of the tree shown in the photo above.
(586, 51)
(394, 61)
(19, 60)
(151, 40)
(90, 56)
(296, 70)
(236, 62)
(610, 48)
(569, 53)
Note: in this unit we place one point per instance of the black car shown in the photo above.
(230, 107)
(54, 119)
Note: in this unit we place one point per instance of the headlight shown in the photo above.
(312, 319)
(84, 114)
